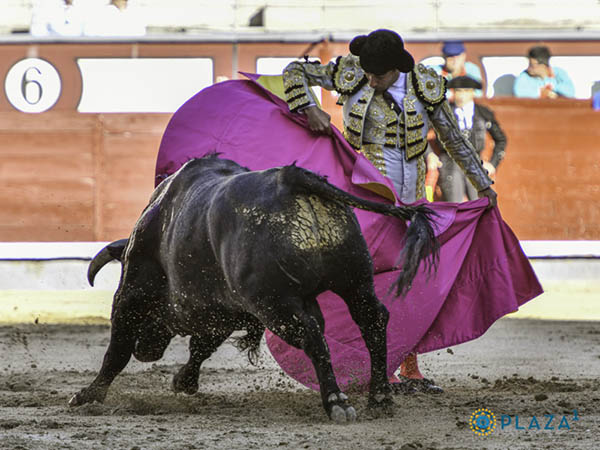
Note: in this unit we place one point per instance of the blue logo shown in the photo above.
(545, 422)
(482, 422)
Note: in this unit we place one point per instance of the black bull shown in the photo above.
(220, 248)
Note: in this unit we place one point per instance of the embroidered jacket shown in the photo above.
(370, 122)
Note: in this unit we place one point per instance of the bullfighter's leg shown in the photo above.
(118, 354)
(371, 316)
(288, 318)
(201, 347)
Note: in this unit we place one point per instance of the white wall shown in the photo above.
(337, 15)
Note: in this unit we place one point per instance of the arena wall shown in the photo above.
(73, 176)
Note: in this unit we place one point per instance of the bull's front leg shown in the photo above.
(118, 354)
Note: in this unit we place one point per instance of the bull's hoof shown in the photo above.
(381, 405)
(185, 384)
(339, 410)
(87, 395)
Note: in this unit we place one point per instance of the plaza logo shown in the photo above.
(483, 422)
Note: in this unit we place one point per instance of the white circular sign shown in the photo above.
(32, 85)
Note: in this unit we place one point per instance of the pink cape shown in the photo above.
(483, 273)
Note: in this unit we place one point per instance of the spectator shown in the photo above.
(456, 64)
(596, 96)
(596, 101)
(540, 80)
(117, 18)
(56, 18)
(474, 121)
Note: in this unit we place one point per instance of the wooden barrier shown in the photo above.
(68, 176)
(548, 184)
(75, 177)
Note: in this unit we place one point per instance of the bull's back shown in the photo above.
(305, 223)
(271, 232)
(255, 228)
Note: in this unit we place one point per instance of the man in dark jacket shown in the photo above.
(474, 121)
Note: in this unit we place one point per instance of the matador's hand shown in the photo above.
(491, 195)
(318, 120)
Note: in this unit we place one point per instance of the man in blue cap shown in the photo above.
(456, 64)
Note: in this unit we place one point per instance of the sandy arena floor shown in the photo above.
(524, 368)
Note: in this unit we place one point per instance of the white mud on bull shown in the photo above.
(519, 368)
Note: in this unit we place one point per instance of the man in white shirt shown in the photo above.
(474, 121)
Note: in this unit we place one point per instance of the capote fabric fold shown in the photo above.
(483, 273)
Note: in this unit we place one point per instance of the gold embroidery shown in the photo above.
(352, 139)
(298, 76)
(421, 172)
(292, 79)
(416, 149)
(298, 103)
(295, 92)
(353, 127)
(415, 143)
(374, 153)
(413, 136)
(431, 87)
(414, 121)
(381, 123)
(348, 77)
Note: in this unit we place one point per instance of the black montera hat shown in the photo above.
(464, 82)
(382, 51)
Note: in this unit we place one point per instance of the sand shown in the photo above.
(520, 367)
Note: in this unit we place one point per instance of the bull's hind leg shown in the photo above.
(201, 347)
(371, 316)
(289, 319)
(153, 339)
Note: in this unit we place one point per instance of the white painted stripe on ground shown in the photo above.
(561, 249)
(78, 250)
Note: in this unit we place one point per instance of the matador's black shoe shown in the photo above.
(424, 385)
(401, 386)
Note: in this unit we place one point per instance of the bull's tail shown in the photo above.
(251, 341)
(420, 242)
(112, 251)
